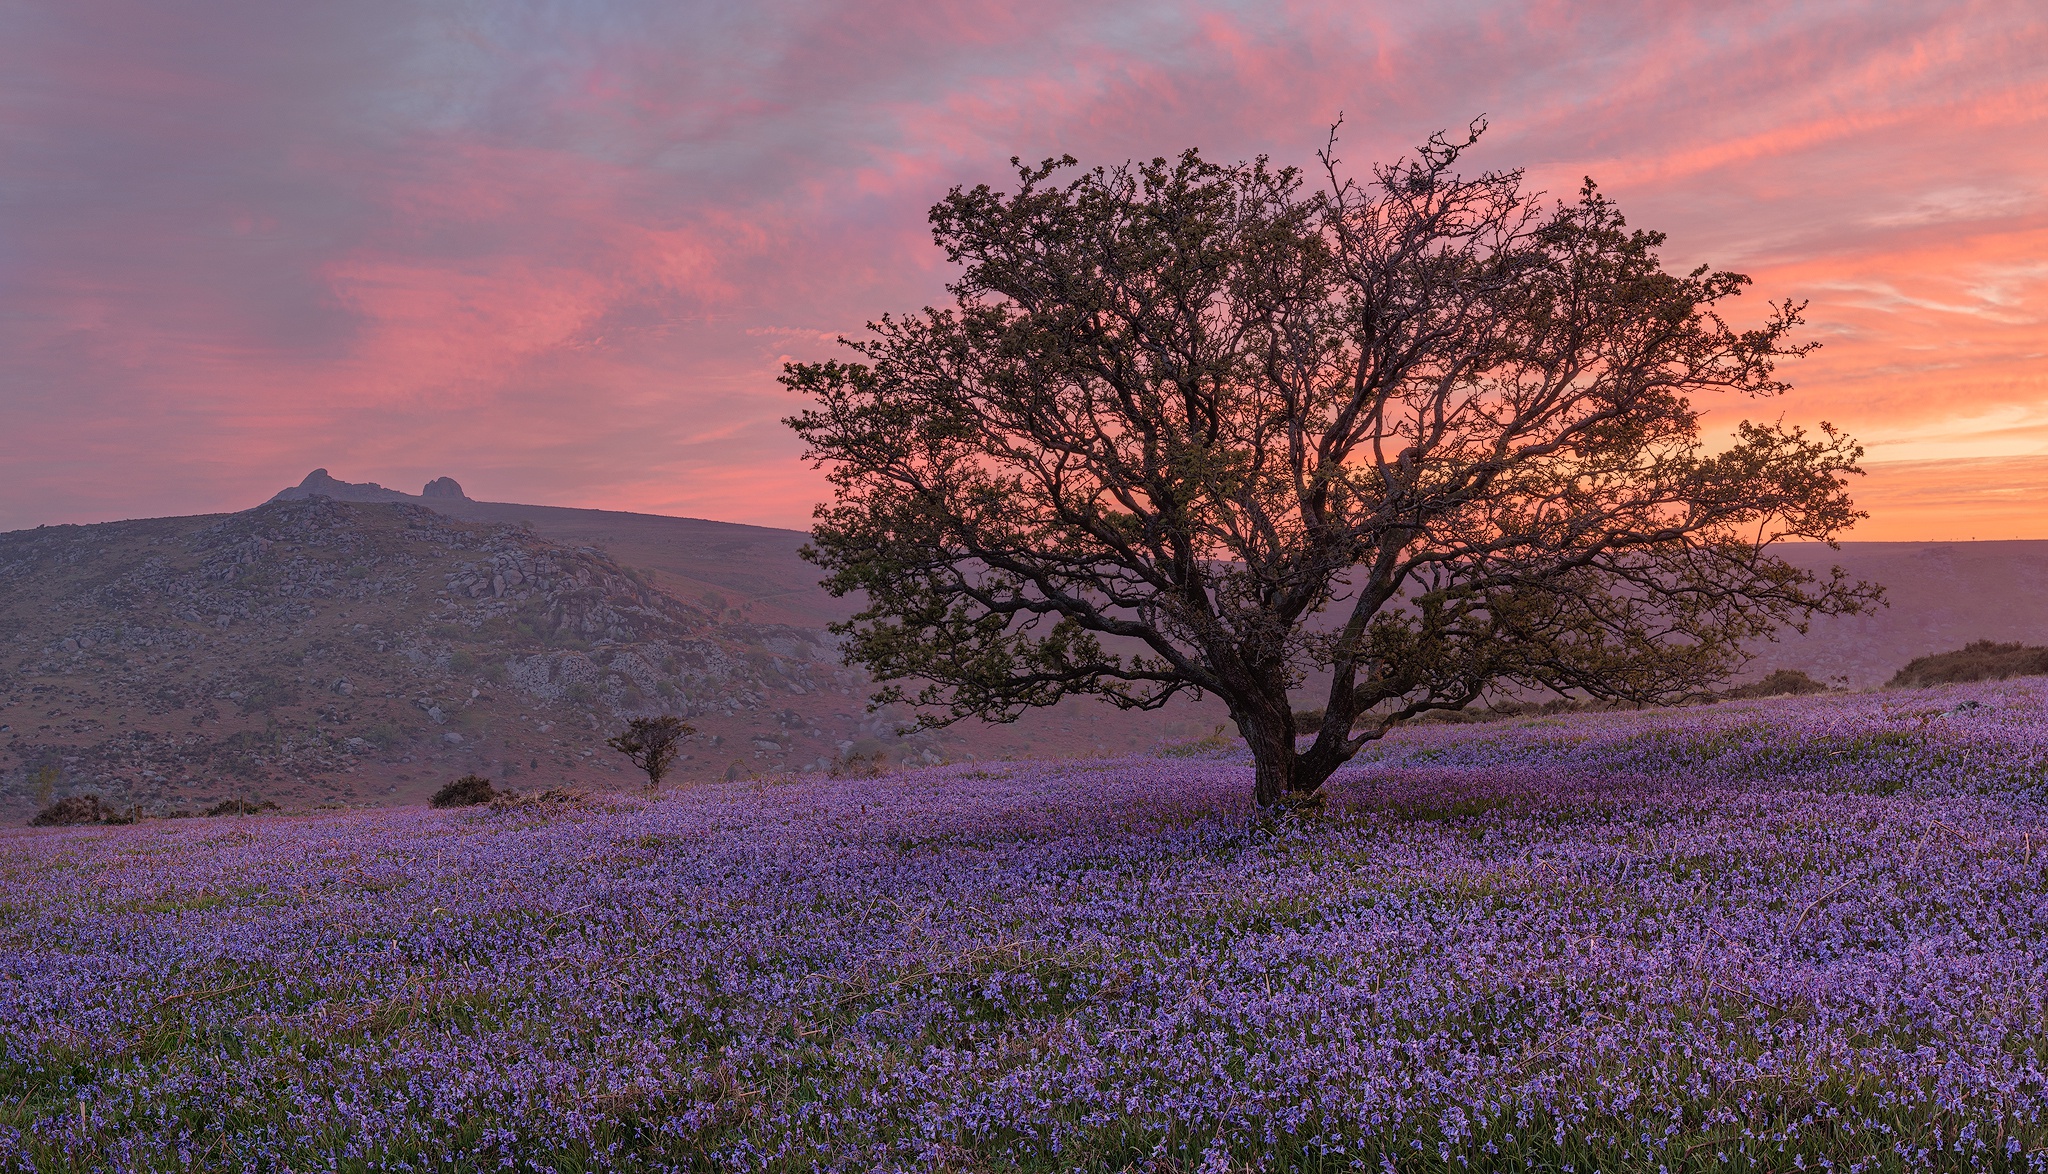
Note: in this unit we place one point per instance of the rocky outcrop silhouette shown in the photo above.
(320, 483)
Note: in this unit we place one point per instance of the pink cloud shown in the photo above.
(561, 254)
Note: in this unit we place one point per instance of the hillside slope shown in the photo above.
(318, 650)
(739, 573)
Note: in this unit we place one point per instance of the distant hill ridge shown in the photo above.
(351, 642)
(1943, 595)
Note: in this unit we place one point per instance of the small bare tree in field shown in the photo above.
(652, 743)
(1178, 409)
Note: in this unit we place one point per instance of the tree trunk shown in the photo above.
(1271, 775)
(1278, 773)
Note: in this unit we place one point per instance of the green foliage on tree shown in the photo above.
(1191, 427)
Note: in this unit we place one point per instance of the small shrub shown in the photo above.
(1778, 684)
(539, 801)
(853, 765)
(241, 807)
(467, 791)
(73, 810)
(1983, 660)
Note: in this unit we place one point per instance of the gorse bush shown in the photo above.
(467, 791)
(43, 782)
(539, 802)
(1784, 682)
(1982, 660)
(80, 809)
(384, 734)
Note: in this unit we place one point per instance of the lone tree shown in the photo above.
(1190, 427)
(652, 744)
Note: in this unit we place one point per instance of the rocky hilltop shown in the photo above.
(737, 572)
(315, 649)
(319, 483)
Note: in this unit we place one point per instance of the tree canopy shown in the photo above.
(1197, 427)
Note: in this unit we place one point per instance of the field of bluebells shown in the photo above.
(1795, 934)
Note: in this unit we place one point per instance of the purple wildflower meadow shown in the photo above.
(1776, 935)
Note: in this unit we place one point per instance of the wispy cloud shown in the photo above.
(559, 251)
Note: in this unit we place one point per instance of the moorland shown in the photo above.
(349, 644)
(1773, 932)
(1767, 935)
(359, 645)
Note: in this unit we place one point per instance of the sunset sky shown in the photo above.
(559, 251)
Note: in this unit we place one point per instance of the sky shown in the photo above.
(560, 251)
